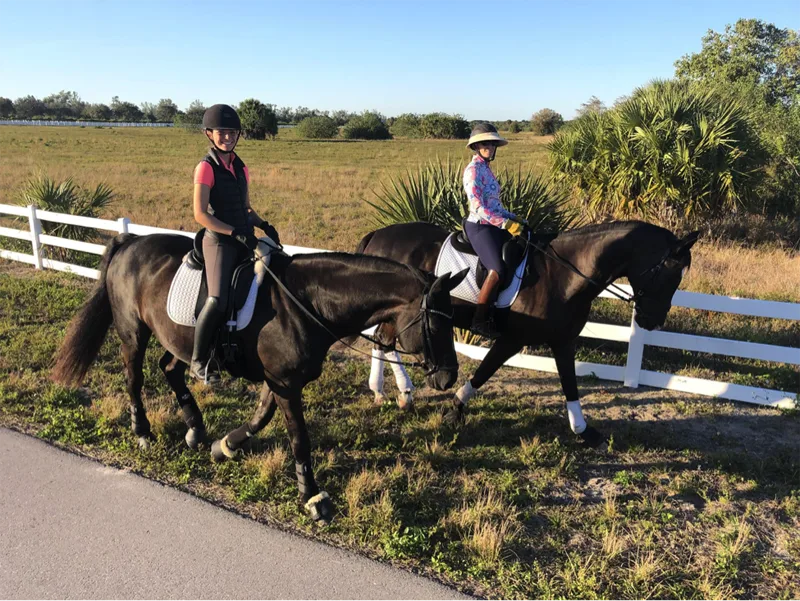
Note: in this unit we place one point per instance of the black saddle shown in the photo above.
(240, 283)
(514, 250)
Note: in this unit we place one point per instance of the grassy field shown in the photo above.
(314, 191)
(691, 498)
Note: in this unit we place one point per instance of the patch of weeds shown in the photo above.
(65, 417)
(628, 478)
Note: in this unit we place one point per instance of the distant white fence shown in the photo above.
(55, 122)
(631, 374)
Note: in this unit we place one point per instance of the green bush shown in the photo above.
(442, 126)
(434, 193)
(406, 126)
(366, 126)
(672, 151)
(316, 128)
(258, 119)
(546, 122)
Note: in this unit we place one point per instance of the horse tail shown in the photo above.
(87, 330)
(362, 246)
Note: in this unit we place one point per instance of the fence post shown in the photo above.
(635, 351)
(36, 231)
(123, 222)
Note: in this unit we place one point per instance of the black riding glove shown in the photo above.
(270, 231)
(245, 236)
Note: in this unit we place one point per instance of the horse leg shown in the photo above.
(565, 362)
(134, 346)
(175, 371)
(502, 350)
(233, 444)
(376, 375)
(316, 502)
(404, 385)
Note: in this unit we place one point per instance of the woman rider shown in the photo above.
(222, 206)
(489, 224)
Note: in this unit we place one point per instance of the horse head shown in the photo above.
(428, 331)
(655, 276)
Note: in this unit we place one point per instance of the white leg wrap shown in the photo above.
(576, 421)
(376, 372)
(465, 393)
(401, 377)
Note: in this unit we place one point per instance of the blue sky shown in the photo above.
(485, 60)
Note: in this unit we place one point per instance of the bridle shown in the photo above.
(428, 354)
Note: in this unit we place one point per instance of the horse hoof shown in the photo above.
(592, 437)
(320, 508)
(405, 400)
(380, 399)
(220, 451)
(195, 437)
(456, 415)
(145, 442)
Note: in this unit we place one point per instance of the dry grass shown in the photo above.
(360, 488)
(771, 274)
(488, 539)
(270, 465)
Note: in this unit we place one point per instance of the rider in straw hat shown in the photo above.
(489, 223)
(222, 206)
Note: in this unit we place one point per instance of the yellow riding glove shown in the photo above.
(512, 227)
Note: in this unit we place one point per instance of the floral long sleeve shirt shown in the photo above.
(483, 194)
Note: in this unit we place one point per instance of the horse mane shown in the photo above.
(640, 227)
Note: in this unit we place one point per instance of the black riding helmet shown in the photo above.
(221, 116)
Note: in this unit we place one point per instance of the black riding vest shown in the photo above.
(229, 194)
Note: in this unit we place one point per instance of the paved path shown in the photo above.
(72, 528)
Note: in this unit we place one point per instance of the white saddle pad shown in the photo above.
(452, 261)
(185, 288)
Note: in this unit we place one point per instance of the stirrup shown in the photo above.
(205, 373)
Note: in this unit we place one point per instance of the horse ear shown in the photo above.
(683, 245)
(456, 279)
(441, 283)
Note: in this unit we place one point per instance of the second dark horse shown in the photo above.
(283, 347)
(554, 301)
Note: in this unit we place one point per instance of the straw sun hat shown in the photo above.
(485, 132)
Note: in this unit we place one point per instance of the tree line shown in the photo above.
(720, 139)
(68, 106)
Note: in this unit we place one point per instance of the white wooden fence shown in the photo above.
(631, 374)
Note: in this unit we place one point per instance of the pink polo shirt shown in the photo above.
(204, 173)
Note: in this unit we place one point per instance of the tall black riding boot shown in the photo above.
(482, 321)
(205, 330)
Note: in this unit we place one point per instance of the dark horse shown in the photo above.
(282, 347)
(554, 302)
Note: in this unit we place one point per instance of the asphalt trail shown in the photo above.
(72, 528)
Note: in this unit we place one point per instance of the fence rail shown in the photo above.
(637, 338)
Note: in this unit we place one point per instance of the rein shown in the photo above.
(617, 291)
(424, 311)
